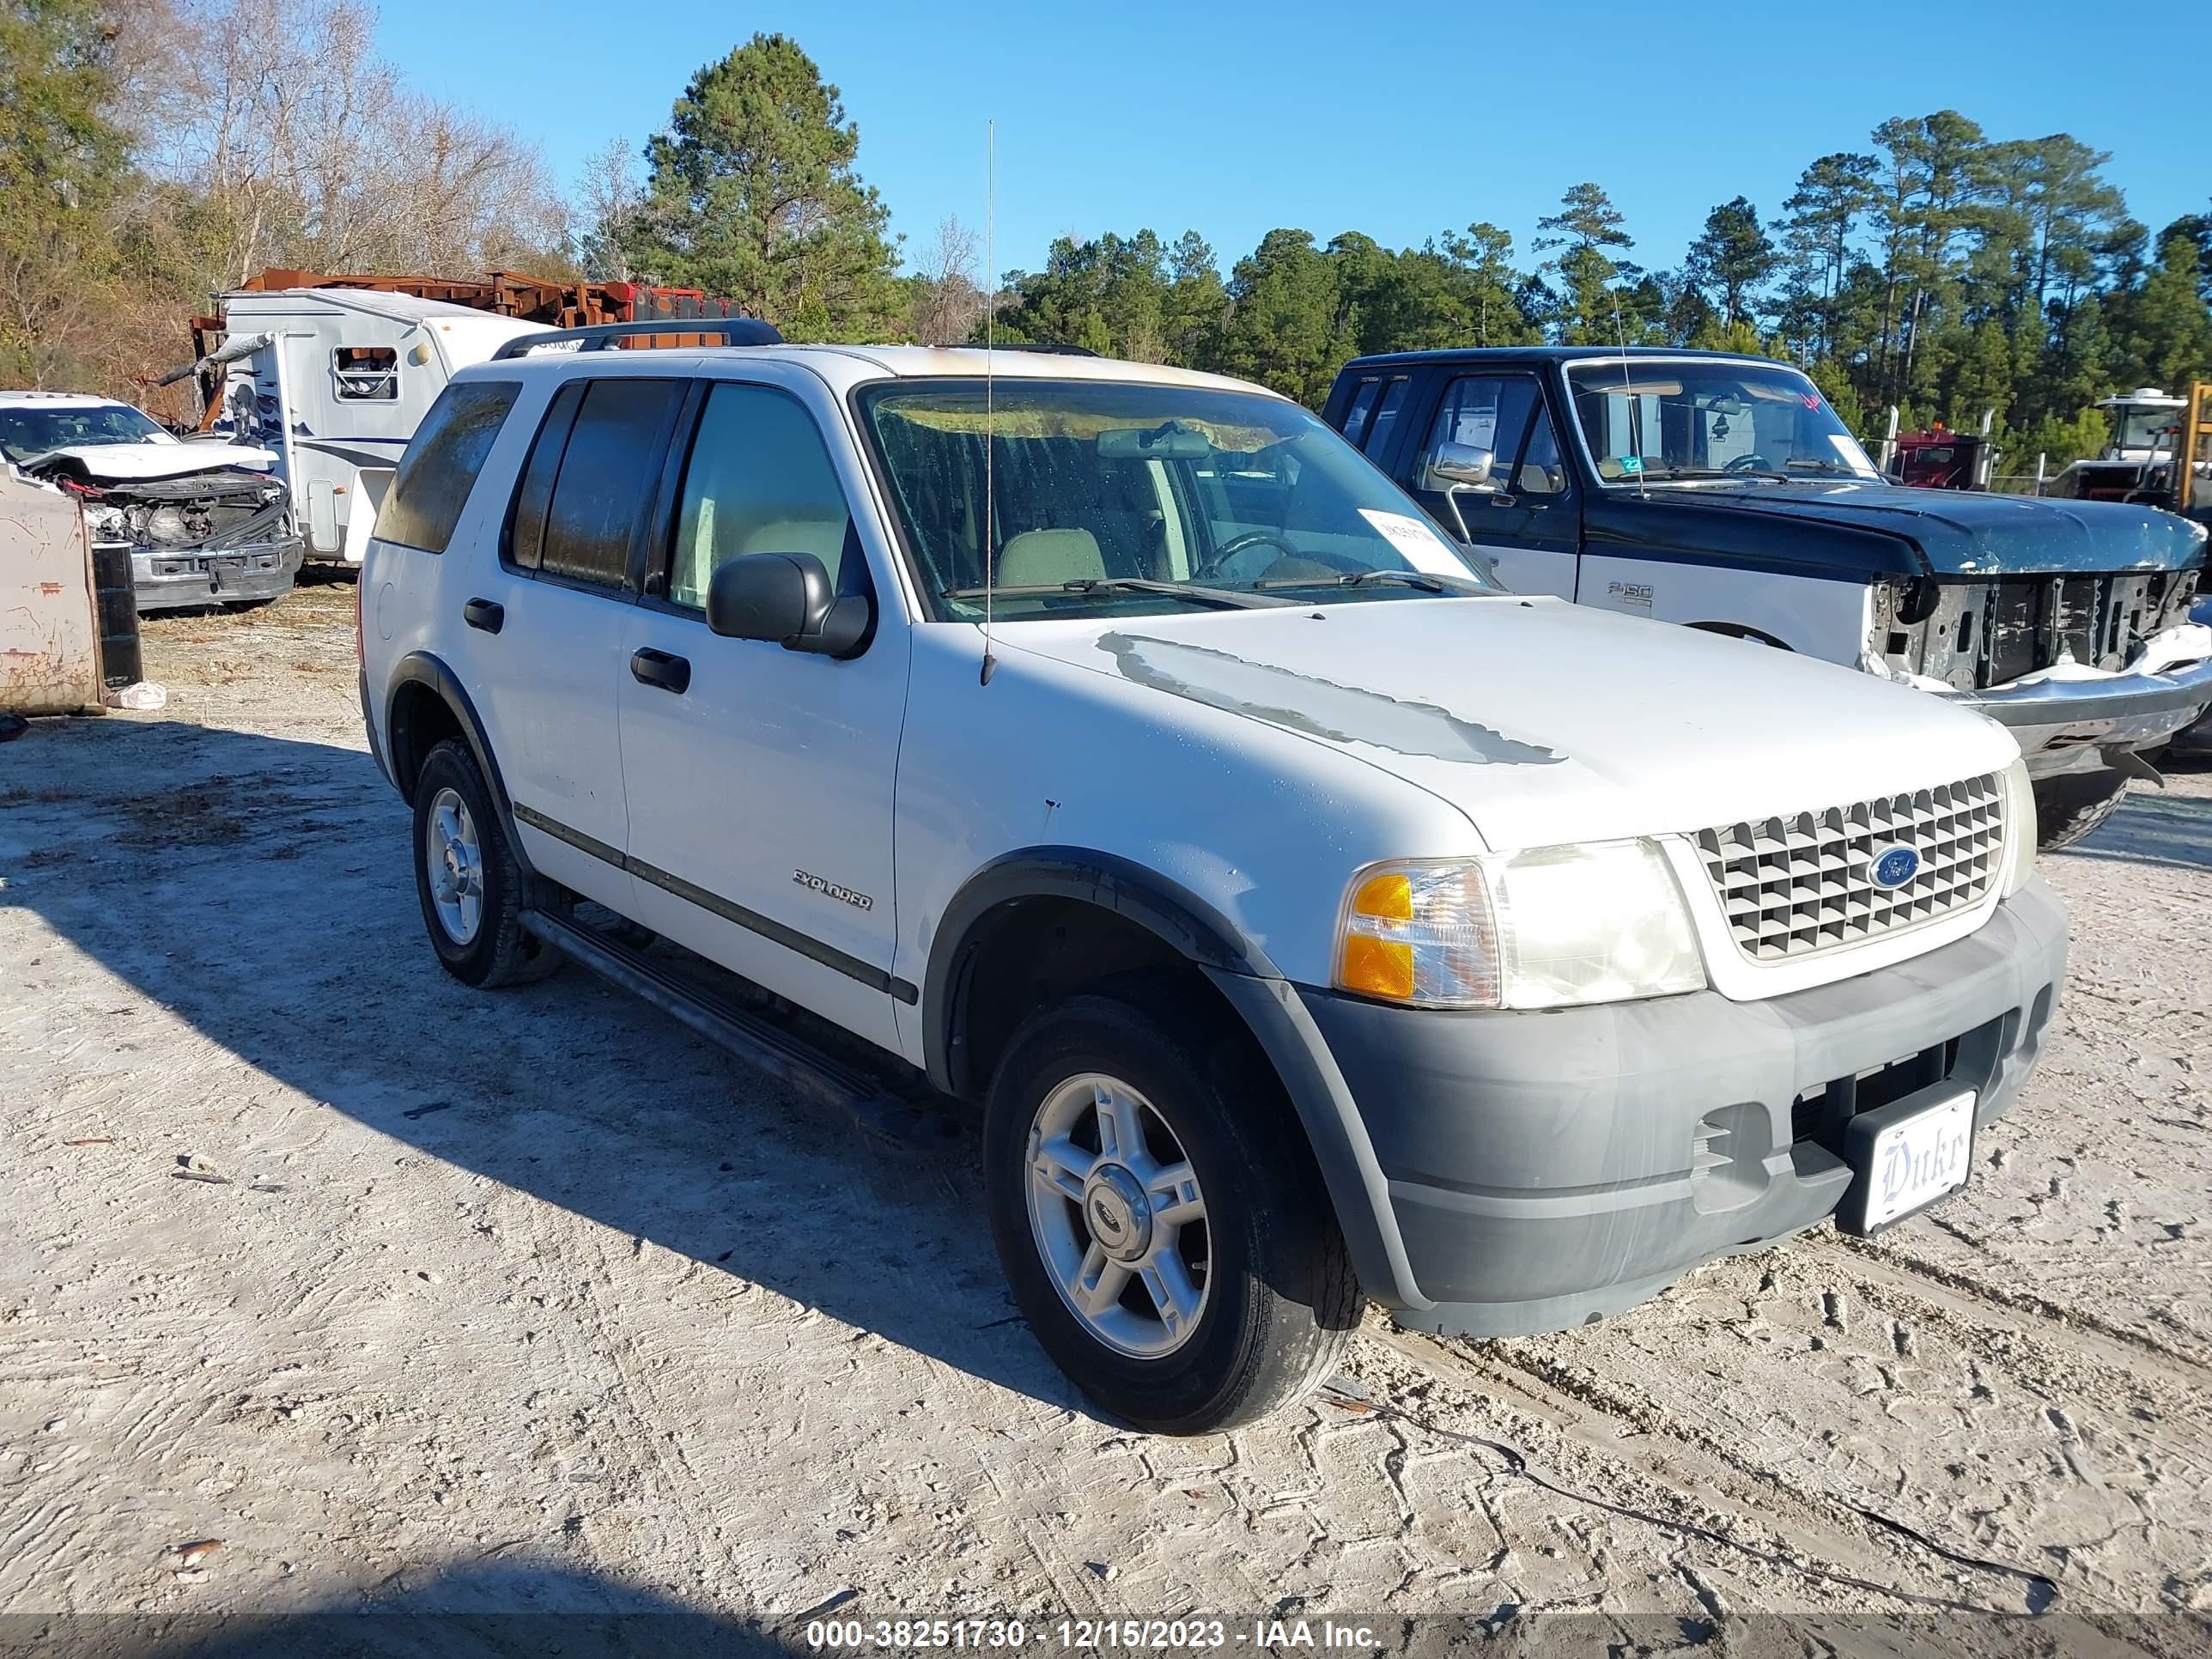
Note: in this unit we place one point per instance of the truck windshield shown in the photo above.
(1109, 494)
(28, 432)
(1653, 420)
(2147, 429)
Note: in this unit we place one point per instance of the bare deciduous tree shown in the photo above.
(948, 303)
(609, 198)
(304, 148)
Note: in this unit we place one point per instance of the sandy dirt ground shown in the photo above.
(422, 1299)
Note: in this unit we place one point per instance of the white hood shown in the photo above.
(1547, 722)
(131, 463)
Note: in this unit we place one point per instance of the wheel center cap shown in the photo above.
(1114, 1210)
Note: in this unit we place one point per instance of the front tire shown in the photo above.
(1160, 1221)
(2074, 805)
(471, 885)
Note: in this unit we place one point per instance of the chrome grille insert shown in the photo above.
(1800, 884)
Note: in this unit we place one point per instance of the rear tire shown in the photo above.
(471, 885)
(1214, 1180)
(2074, 804)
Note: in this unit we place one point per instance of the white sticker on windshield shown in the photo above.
(1423, 547)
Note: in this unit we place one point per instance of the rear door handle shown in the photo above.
(487, 614)
(651, 667)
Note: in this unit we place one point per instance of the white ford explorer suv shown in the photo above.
(1117, 748)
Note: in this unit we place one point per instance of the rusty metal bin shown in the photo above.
(51, 660)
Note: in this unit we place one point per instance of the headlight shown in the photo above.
(1543, 929)
(2020, 830)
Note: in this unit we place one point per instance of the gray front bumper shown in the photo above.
(2065, 725)
(167, 579)
(1544, 1170)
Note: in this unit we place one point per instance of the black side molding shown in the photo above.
(752, 921)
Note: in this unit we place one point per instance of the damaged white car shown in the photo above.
(205, 521)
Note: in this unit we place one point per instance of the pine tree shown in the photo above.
(1732, 258)
(1586, 225)
(1283, 330)
(752, 196)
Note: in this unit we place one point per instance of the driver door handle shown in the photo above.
(670, 674)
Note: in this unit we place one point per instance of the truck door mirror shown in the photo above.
(1459, 467)
(786, 598)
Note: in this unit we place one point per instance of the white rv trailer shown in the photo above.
(334, 381)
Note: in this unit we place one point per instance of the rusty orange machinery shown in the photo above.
(532, 299)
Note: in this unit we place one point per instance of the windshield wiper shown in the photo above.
(1660, 475)
(1220, 597)
(1420, 579)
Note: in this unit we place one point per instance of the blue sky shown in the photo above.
(1232, 118)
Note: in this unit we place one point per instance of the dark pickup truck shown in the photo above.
(1722, 492)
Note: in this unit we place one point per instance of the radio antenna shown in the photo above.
(990, 339)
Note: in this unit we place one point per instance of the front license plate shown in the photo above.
(224, 573)
(1903, 1159)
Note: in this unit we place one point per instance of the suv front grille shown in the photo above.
(1794, 885)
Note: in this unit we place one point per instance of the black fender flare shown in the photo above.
(424, 669)
(1268, 1004)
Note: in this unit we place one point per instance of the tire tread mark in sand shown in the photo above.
(1930, 1280)
(1791, 1554)
(1717, 1474)
(633, 1394)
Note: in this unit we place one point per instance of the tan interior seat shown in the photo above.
(824, 538)
(1043, 556)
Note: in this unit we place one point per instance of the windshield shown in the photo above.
(2147, 429)
(1647, 419)
(1106, 495)
(28, 432)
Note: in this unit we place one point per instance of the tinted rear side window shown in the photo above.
(1377, 440)
(608, 473)
(525, 526)
(441, 462)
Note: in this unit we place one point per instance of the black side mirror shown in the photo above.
(787, 597)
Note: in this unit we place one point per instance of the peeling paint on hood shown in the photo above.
(1544, 722)
(1319, 708)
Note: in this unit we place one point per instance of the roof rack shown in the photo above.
(602, 336)
(1046, 347)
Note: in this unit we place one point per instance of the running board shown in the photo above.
(765, 1046)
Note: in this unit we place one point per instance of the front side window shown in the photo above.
(441, 462)
(759, 480)
(366, 374)
(1485, 412)
(604, 491)
(1109, 494)
(1658, 420)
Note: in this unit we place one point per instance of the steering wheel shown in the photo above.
(1236, 545)
(1748, 464)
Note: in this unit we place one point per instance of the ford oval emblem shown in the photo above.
(1892, 867)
